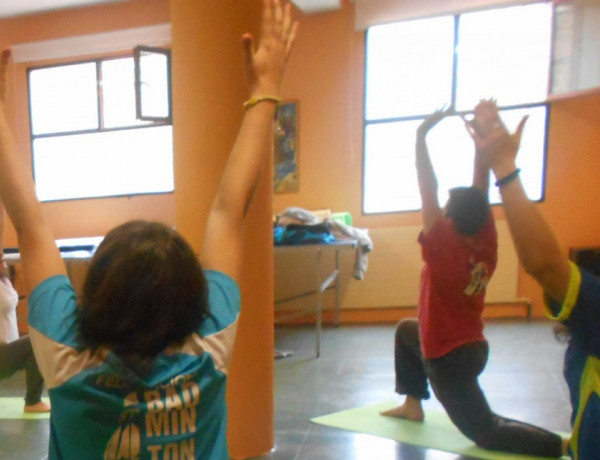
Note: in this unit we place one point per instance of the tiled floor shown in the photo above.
(21, 439)
(523, 380)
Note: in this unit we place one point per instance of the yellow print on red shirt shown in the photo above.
(479, 279)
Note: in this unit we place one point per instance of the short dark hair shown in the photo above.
(145, 289)
(469, 208)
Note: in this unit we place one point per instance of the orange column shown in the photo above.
(208, 90)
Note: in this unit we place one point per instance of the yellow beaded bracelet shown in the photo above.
(255, 100)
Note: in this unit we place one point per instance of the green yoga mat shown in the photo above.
(12, 408)
(437, 432)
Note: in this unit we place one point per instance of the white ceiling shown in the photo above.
(9, 8)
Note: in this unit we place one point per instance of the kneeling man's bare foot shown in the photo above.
(42, 406)
(410, 410)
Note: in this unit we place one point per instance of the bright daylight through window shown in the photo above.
(417, 66)
(86, 140)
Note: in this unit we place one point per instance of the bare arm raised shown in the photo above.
(428, 185)
(265, 65)
(534, 240)
(484, 122)
(39, 255)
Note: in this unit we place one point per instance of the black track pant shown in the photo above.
(16, 356)
(454, 379)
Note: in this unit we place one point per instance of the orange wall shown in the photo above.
(328, 81)
(95, 216)
(208, 91)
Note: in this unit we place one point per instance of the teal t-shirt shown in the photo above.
(102, 409)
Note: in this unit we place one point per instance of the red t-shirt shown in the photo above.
(453, 282)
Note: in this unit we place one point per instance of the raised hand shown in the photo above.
(486, 118)
(434, 119)
(265, 65)
(494, 145)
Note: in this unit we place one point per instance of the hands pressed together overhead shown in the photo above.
(494, 144)
(496, 148)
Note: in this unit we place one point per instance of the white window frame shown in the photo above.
(401, 169)
(120, 169)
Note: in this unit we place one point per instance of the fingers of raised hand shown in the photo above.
(278, 28)
(287, 20)
(248, 44)
(277, 11)
(267, 19)
(521, 125)
(446, 109)
(274, 19)
(284, 27)
(439, 114)
(291, 38)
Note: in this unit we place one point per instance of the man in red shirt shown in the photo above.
(446, 346)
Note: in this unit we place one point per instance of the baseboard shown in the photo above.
(519, 308)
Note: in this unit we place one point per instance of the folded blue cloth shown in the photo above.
(302, 234)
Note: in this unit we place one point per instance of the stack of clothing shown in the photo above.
(299, 226)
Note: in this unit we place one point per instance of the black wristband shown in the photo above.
(508, 178)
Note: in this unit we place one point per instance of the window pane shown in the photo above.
(118, 93)
(390, 178)
(63, 99)
(409, 67)
(504, 54)
(125, 162)
(154, 84)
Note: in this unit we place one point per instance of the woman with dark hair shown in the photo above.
(139, 369)
(16, 352)
(446, 347)
(142, 270)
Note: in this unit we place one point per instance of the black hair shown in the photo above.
(144, 290)
(469, 208)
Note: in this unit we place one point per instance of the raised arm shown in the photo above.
(39, 255)
(428, 185)
(265, 65)
(481, 175)
(534, 240)
(483, 123)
